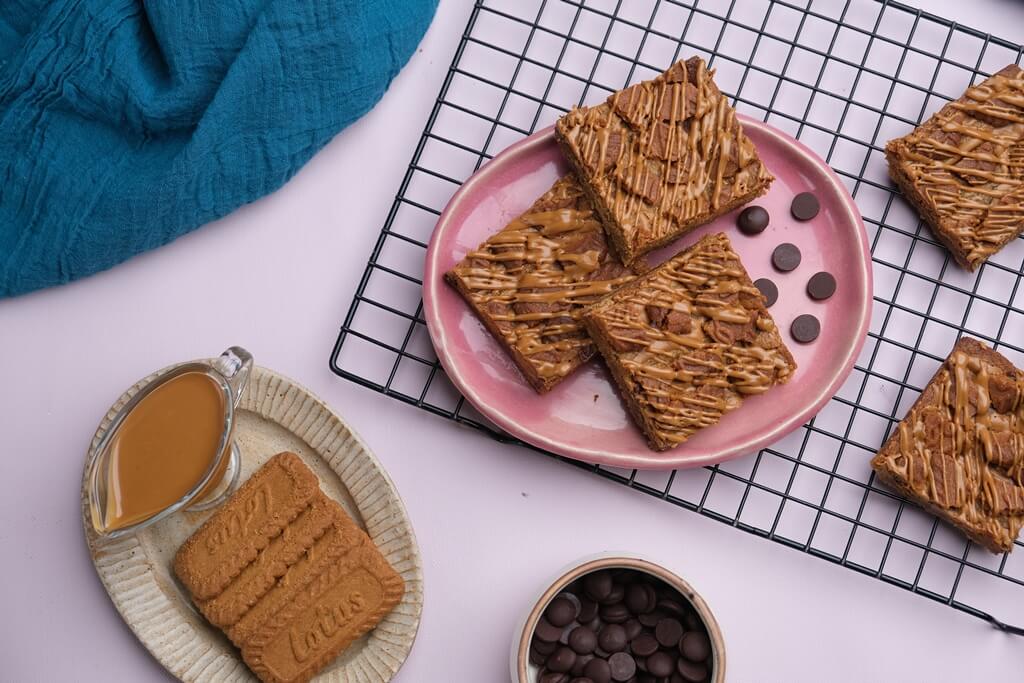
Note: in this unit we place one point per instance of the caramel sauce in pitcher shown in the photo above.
(163, 448)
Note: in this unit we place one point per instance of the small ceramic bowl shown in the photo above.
(523, 671)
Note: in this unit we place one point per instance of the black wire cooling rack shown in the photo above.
(843, 76)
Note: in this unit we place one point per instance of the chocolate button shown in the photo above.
(598, 585)
(580, 665)
(543, 647)
(547, 632)
(668, 632)
(821, 286)
(805, 328)
(673, 607)
(615, 614)
(644, 645)
(660, 664)
(693, 622)
(622, 666)
(554, 677)
(805, 206)
(768, 289)
(694, 673)
(581, 680)
(786, 257)
(582, 640)
(638, 599)
(598, 671)
(633, 628)
(612, 638)
(616, 594)
(561, 660)
(695, 646)
(753, 220)
(651, 619)
(560, 612)
(588, 610)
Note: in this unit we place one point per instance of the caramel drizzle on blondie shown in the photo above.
(964, 450)
(672, 143)
(696, 339)
(970, 164)
(535, 275)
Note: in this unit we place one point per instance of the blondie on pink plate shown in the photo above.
(583, 418)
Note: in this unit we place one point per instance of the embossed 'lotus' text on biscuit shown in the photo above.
(238, 521)
(344, 601)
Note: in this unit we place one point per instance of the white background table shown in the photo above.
(494, 522)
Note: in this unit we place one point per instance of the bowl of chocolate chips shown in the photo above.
(619, 620)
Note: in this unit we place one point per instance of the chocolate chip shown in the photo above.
(673, 607)
(660, 664)
(588, 610)
(668, 632)
(617, 593)
(690, 671)
(695, 646)
(622, 666)
(805, 328)
(612, 638)
(543, 647)
(821, 286)
(644, 645)
(546, 631)
(651, 619)
(598, 585)
(805, 206)
(753, 220)
(560, 612)
(561, 660)
(554, 677)
(786, 257)
(768, 288)
(640, 598)
(580, 665)
(598, 671)
(633, 628)
(614, 614)
(582, 640)
(693, 622)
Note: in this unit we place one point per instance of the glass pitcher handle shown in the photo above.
(235, 364)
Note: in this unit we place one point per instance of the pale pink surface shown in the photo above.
(583, 417)
(494, 523)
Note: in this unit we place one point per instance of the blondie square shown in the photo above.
(959, 452)
(662, 157)
(688, 341)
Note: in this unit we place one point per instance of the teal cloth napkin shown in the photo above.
(125, 124)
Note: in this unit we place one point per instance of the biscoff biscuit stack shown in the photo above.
(286, 574)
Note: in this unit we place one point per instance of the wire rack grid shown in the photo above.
(843, 77)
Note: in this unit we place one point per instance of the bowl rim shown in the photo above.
(523, 635)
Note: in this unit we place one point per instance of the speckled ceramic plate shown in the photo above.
(274, 415)
(583, 417)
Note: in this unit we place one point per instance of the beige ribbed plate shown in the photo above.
(274, 415)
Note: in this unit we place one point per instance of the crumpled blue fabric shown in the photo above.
(125, 124)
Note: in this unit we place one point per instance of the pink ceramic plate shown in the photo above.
(583, 417)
